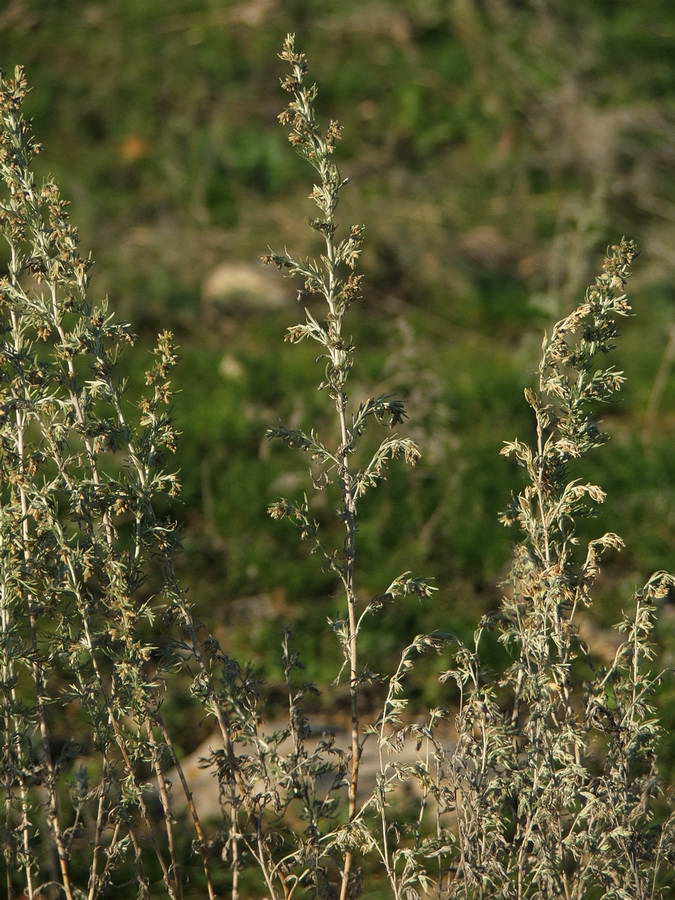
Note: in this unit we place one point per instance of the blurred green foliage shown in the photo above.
(495, 148)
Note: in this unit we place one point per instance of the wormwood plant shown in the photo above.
(553, 775)
(86, 573)
(335, 460)
(549, 788)
(553, 779)
(81, 472)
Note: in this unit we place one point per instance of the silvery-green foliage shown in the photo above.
(553, 777)
(550, 788)
(86, 573)
(338, 464)
(85, 561)
(79, 480)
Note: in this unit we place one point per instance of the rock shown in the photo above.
(204, 786)
(230, 368)
(242, 288)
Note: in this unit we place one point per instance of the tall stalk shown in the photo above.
(333, 278)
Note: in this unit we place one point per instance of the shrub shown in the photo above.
(81, 477)
(549, 785)
(554, 773)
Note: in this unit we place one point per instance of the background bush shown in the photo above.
(501, 146)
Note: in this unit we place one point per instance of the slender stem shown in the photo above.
(201, 837)
(40, 687)
(98, 833)
(349, 514)
(166, 809)
(11, 729)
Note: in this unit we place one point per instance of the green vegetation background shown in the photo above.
(495, 148)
